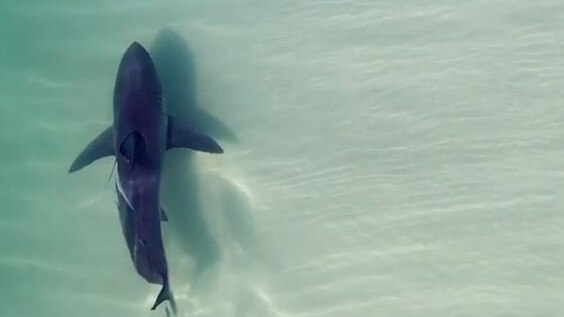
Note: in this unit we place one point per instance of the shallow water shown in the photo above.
(383, 158)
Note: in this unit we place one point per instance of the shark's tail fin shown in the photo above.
(165, 295)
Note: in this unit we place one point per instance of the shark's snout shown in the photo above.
(136, 57)
(136, 49)
(137, 72)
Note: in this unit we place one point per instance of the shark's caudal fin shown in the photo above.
(165, 295)
(181, 135)
(100, 147)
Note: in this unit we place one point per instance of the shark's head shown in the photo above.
(137, 78)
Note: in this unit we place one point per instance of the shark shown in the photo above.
(141, 133)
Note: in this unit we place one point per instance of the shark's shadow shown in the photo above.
(175, 65)
(181, 188)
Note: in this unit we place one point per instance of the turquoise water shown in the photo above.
(383, 158)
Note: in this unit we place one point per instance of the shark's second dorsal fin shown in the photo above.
(181, 135)
(100, 147)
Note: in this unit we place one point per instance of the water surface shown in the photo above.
(383, 158)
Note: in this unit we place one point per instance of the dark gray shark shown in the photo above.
(140, 135)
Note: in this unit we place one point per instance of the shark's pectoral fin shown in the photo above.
(180, 135)
(163, 215)
(100, 147)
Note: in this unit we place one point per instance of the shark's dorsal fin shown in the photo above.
(100, 147)
(133, 148)
(181, 135)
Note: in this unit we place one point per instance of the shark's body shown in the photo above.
(140, 135)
